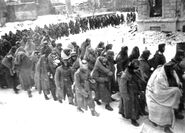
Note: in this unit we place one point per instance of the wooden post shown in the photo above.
(68, 7)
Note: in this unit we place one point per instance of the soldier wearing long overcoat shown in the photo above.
(130, 90)
(43, 74)
(24, 68)
(64, 81)
(83, 92)
(101, 74)
(9, 73)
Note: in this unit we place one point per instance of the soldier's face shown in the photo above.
(74, 57)
(65, 63)
(89, 42)
(104, 61)
(59, 48)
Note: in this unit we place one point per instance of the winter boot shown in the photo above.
(46, 97)
(60, 101)
(167, 130)
(108, 107)
(94, 113)
(97, 102)
(16, 91)
(135, 123)
(70, 99)
(80, 110)
(29, 93)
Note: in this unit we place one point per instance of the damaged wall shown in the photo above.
(171, 19)
(3, 12)
(21, 12)
(44, 7)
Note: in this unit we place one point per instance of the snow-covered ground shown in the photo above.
(20, 114)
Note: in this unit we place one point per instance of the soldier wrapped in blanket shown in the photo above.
(101, 74)
(10, 74)
(24, 69)
(44, 80)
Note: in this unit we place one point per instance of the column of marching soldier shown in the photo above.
(37, 61)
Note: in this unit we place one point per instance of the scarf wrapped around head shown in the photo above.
(46, 50)
(20, 49)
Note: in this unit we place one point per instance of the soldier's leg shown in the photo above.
(29, 92)
(14, 83)
(91, 105)
(70, 95)
(79, 100)
(46, 92)
(53, 90)
(97, 95)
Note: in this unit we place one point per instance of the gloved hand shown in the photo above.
(84, 93)
(180, 85)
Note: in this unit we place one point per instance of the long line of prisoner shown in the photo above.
(75, 72)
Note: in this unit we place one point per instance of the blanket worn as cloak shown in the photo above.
(161, 99)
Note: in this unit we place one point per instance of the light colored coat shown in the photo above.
(161, 99)
(24, 67)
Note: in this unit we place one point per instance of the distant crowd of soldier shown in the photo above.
(77, 71)
(131, 17)
(32, 59)
(86, 23)
(82, 25)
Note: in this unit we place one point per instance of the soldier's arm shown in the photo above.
(57, 78)
(96, 76)
(77, 81)
(123, 85)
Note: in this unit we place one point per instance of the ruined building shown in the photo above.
(3, 12)
(161, 15)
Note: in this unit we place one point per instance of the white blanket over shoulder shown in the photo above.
(161, 99)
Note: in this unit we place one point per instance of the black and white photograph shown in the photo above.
(92, 66)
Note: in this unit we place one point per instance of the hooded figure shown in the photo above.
(144, 65)
(29, 47)
(107, 47)
(134, 54)
(174, 65)
(75, 47)
(163, 93)
(83, 93)
(162, 98)
(54, 58)
(111, 63)
(122, 60)
(130, 90)
(99, 49)
(10, 75)
(73, 58)
(24, 68)
(158, 58)
(90, 58)
(101, 74)
(84, 46)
